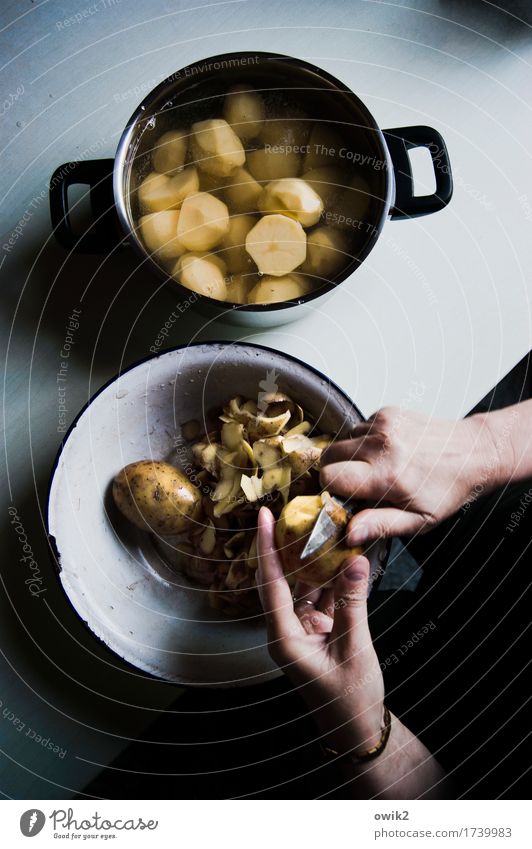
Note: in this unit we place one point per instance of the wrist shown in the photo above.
(353, 755)
(491, 452)
(345, 725)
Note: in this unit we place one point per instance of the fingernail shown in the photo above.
(355, 571)
(358, 535)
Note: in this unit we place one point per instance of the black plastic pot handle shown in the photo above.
(104, 233)
(402, 139)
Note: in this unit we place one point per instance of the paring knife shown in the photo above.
(325, 529)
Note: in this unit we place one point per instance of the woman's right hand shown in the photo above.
(418, 470)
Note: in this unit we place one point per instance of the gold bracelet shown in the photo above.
(369, 754)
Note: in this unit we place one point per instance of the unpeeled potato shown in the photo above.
(156, 497)
(292, 531)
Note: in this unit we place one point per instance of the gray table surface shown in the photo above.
(436, 315)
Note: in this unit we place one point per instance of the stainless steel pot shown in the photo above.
(196, 92)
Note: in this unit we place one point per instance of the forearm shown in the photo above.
(509, 437)
(405, 770)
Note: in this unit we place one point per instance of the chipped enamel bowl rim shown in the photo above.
(113, 576)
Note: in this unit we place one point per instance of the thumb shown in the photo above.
(381, 522)
(350, 628)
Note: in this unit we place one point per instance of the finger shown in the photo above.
(352, 479)
(350, 631)
(274, 592)
(382, 522)
(304, 592)
(313, 621)
(347, 449)
(360, 429)
(326, 602)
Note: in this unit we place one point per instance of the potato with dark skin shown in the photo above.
(292, 531)
(157, 497)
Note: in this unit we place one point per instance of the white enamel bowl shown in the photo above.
(148, 614)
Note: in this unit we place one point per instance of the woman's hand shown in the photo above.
(418, 471)
(323, 644)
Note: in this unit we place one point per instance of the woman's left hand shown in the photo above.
(322, 642)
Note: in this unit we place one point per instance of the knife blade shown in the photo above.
(324, 529)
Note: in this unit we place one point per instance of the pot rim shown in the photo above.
(143, 111)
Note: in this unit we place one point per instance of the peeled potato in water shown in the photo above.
(242, 192)
(158, 192)
(244, 110)
(351, 208)
(326, 252)
(327, 181)
(216, 148)
(168, 157)
(286, 132)
(270, 164)
(203, 222)
(158, 231)
(203, 274)
(324, 147)
(292, 197)
(272, 290)
(239, 286)
(277, 244)
(233, 244)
